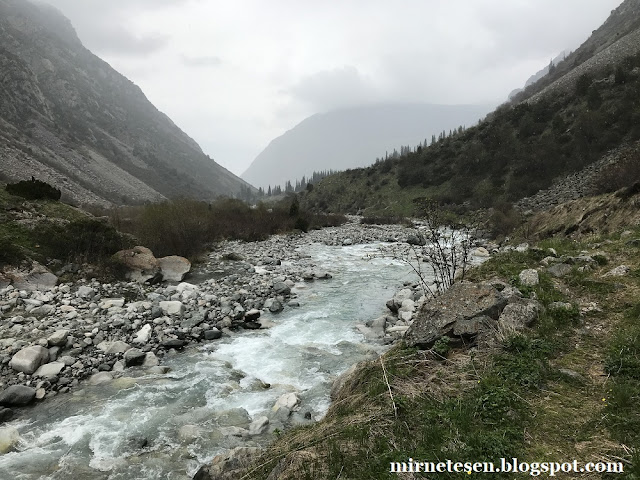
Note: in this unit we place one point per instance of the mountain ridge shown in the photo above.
(69, 118)
(353, 137)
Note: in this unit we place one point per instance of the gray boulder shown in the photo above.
(29, 359)
(457, 309)
(529, 277)
(281, 288)
(173, 268)
(134, 357)
(520, 314)
(17, 395)
(559, 269)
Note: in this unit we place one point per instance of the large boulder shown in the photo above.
(173, 268)
(35, 278)
(29, 359)
(50, 370)
(463, 309)
(17, 395)
(140, 263)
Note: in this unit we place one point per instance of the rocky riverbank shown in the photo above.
(54, 337)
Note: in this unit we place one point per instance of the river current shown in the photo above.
(165, 426)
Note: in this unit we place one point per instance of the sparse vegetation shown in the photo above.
(534, 396)
(187, 227)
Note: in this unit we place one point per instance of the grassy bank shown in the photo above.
(565, 389)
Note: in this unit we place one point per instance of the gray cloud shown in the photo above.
(329, 89)
(103, 25)
(200, 61)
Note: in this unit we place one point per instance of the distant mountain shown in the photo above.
(68, 118)
(541, 73)
(353, 137)
(545, 144)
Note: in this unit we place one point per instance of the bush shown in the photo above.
(80, 240)
(34, 190)
(504, 219)
(10, 253)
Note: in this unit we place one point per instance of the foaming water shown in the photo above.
(152, 427)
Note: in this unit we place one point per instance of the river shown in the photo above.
(164, 426)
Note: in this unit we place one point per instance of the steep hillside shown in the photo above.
(70, 119)
(558, 127)
(353, 137)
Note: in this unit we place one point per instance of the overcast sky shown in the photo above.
(235, 74)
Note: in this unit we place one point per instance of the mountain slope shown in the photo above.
(70, 119)
(588, 106)
(353, 137)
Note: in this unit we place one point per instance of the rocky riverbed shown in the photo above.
(54, 338)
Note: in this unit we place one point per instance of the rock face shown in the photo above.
(55, 91)
(462, 308)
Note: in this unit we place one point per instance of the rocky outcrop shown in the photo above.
(460, 312)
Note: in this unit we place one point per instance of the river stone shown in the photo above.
(281, 288)
(520, 314)
(322, 275)
(150, 360)
(480, 252)
(212, 334)
(100, 378)
(559, 269)
(173, 307)
(258, 426)
(234, 417)
(173, 268)
(143, 335)
(29, 359)
(108, 303)
(529, 277)
(273, 305)
(49, 370)
(416, 239)
(9, 438)
(17, 395)
(462, 301)
(287, 400)
(174, 343)
(252, 315)
(42, 311)
(85, 292)
(134, 357)
(58, 338)
(189, 433)
(6, 414)
(113, 347)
